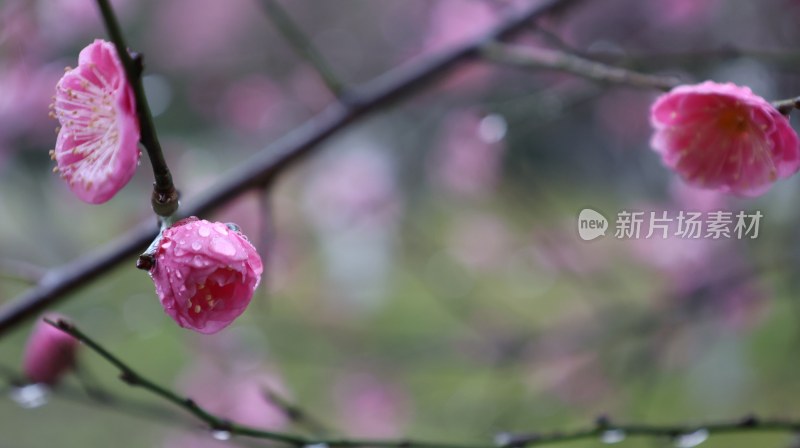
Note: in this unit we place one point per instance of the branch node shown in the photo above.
(749, 421)
(129, 378)
(221, 425)
(138, 62)
(165, 201)
(602, 422)
(145, 262)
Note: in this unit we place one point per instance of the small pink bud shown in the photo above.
(97, 147)
(205, 274)
(724, 137)
(49, 354)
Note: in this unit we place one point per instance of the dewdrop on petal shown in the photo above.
(97, 148)
(49, 354)
(724, 137)
(205, 274)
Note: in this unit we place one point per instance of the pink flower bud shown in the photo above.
(205, 274)
(724, 137)
(49, 354)
(97, 147)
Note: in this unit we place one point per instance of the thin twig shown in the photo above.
(604, 426)
(267, 164)
(302, 44)
(147, 411)
(654, 59)
(296, 414)
(216, 423)
(601, 426)
(165, 196)
(787, 106)
(538, 58)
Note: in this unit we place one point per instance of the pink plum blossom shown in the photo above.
(723, 137)
(205, 274)
(49, 354)
(97, 148)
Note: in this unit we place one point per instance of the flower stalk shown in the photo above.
(164, 199)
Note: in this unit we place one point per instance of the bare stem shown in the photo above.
(295, 413)
(787, 106)
(133, 378)
(544, 58)
(302, 44)
(165, 197)
(601, 426)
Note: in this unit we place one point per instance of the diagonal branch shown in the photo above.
(266, 164)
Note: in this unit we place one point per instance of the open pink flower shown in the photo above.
(50, 353)
(97, 148)
(724, 137)
(205, 274)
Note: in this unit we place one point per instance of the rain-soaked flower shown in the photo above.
(97, 147)
(724, 137)
(205, 274)
(49, 354)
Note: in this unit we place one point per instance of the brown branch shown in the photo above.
(267, 164)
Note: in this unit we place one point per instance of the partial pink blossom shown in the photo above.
(49, 354)
(724, 137)
(205, 274)
(97, 148)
